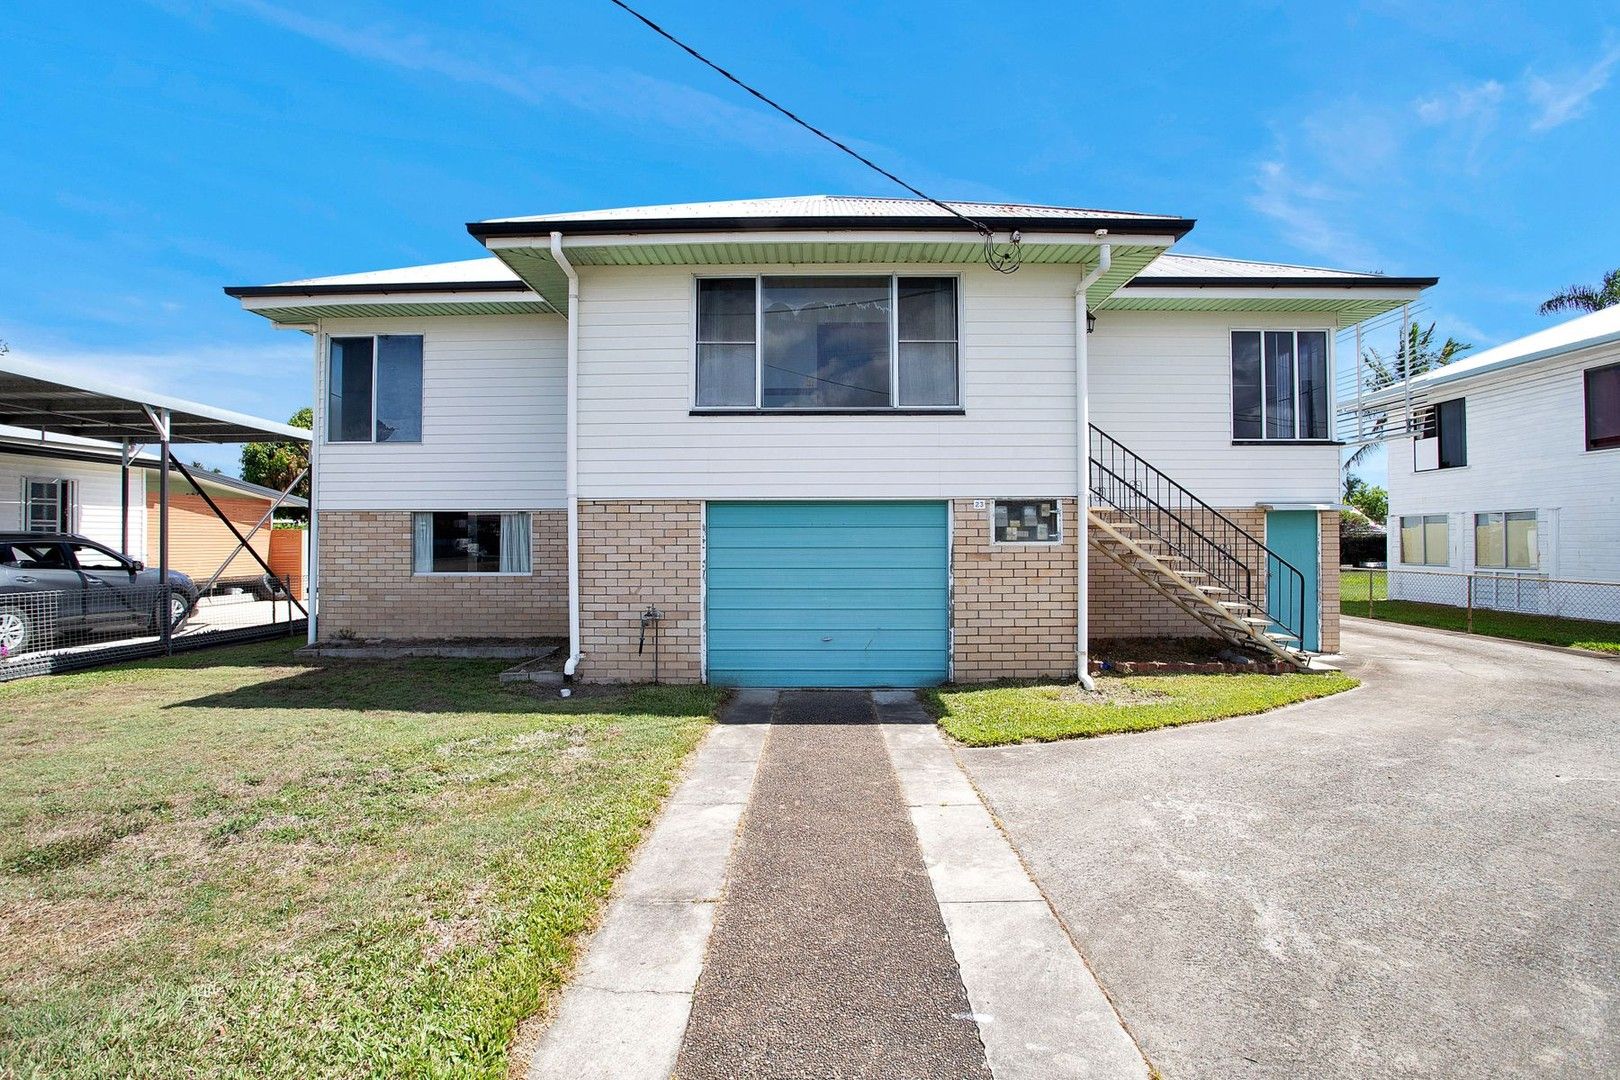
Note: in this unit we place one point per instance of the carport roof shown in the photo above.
(45, 399)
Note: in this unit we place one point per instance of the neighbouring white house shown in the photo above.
(61, 483)
(821, 441)
(1512, 474)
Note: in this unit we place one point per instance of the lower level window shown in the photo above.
(1507, 541)
(1027, 521)
(48, 505)
(470, 542)
(1425, 540)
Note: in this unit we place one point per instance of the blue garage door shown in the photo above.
(827, 594)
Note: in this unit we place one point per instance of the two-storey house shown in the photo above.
(823, 441)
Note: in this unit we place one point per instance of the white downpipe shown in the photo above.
(317, 428)
(574, 651)
(1082, 461)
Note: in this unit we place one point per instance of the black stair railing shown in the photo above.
(1210, 541)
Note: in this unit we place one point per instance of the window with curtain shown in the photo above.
(1279, 385)
(1603, 408)
(1425, 540)
(470, 542)
(47, 505)
(1506, 540)
(374, 388)
(827, 342)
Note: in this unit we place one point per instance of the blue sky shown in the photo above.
(152, 152)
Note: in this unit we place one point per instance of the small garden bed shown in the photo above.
(1039, 712)
(1178, 656)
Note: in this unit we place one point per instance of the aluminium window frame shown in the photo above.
(1505, 567)
(1586, 409)
(996, 541)
(1423, 531)
(411, 548)
(326, 387)
(1331, 360)
(758, 408)
(66, 501)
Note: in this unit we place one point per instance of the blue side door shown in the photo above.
(827, 593)
(1292, 534)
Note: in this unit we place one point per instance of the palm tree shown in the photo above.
(1413, 357)
(1586, 298)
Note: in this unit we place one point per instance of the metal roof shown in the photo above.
(42, 398)
(1202, 271)
(1586, 332)
(870, 209)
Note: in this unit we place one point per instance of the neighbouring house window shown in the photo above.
(1027, 521)
(48, 505)
(1279, 385)
(1442, 438)
(470, 542)
(1425, 540)
(1603, 408)
(1506, 540)
(848, 342)
(374, 389)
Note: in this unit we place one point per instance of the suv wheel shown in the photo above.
(179, 607)
(17, 632)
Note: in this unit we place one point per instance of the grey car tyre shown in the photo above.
(179, 608)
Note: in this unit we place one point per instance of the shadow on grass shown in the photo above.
(259, 678)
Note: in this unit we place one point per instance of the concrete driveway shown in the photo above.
(1418, 878)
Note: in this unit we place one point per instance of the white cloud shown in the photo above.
(1560, 100)
(1309, 215)
(1462, 103)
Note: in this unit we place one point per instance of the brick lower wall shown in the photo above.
(367, 588)
(631, 555)
(1012, 605)
(1329, 582)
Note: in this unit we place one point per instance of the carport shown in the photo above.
(41, 398)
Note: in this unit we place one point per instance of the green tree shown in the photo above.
(1371, 500)
(1414, 356)
(1586, 298)
(273, 464)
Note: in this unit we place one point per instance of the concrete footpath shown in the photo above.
(826, 895)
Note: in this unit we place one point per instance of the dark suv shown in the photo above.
(56, 587)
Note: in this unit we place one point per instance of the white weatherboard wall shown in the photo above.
(1161, 384)
(493, 417)
(1526, 451)
(98, 502)
(637, 439)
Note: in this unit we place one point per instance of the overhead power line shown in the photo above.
(1001, 257)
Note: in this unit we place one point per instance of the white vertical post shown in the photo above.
(312, 535)
(1082, 463)
(1355, 370)
(1405, 353)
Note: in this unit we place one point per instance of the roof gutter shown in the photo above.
(571, 665)
(1155, 226)
(1082, 460)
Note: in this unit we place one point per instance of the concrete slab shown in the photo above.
(1416, 879)
(1041, 1014)
(609, 1035)
(968, 860)
(625, 1012)
(648, 946)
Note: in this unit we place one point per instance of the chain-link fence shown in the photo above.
(1527, 606)
(102, 621)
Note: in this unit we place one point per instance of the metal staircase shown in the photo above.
(1193, 555)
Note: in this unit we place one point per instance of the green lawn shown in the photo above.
(237, 864)
(996, 715)
(1545, 629)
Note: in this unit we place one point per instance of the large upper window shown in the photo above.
(374, 389)
(1425, 540)
(851, 342)
(47, 505)
(1279, 384)
(1603, 408)
(467, 542)
(1442, 438)
(1506, 540)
